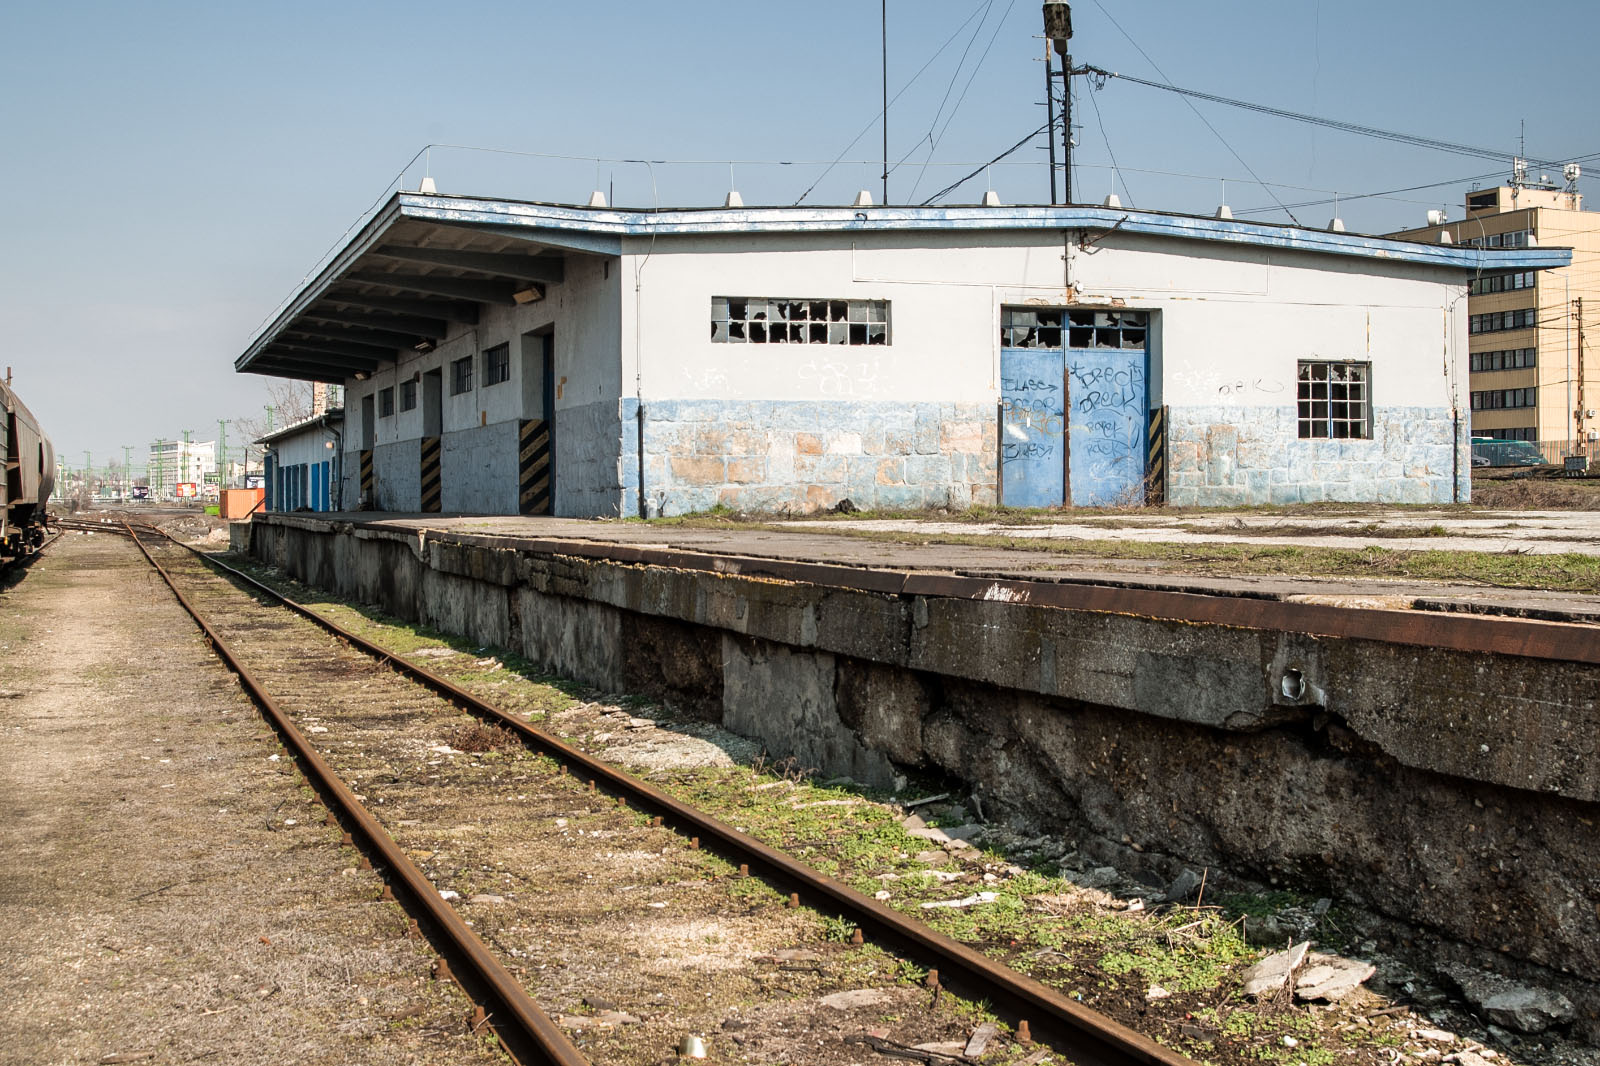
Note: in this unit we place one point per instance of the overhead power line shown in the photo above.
(974, 173)
(1318, 120)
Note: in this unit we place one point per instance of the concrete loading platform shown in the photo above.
(1425, 752)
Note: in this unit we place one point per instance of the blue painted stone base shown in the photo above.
(1221, 456)
(801, 456)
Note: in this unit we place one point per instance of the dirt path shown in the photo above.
(169, 893)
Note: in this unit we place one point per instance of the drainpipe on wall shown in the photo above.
(338, 468)
(639, 413)
(1455, 456)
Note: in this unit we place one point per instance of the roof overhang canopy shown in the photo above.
(400, 285)
(427, 261)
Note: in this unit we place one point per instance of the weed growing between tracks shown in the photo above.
(1171, 972)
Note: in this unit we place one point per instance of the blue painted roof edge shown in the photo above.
(602, 230)
(733, 221)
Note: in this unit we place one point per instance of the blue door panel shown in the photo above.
(1110, 399)
(1032, 388)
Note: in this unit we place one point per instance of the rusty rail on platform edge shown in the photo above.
(525, 1030)
(1086, 1036)
(1448, 630)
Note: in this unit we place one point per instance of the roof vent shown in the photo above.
(734, 199)
(1335, 225)
(1224, 211)
(1112, 201)
(863, 199)
(597, 199)
(1444, 237)
(428, 188)
(991, 199)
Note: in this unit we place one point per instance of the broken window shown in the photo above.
(1335, 400)
(785, 320)
(1043, 327)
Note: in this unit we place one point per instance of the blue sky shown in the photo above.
(173, 170)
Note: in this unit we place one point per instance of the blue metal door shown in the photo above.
(1109, 399)
(1033, 419)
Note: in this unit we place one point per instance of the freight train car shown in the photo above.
(30, 465)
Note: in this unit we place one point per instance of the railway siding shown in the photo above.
(170, 892)
(581, 899)
(1413, 772)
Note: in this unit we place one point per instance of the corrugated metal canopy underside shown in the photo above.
(428, 261)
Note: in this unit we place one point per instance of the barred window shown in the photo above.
(1030, 327)
(784, 320)
(461, 376)
(496, 365)
(385, 403)
(1505, 359)
(408, 395)
(1335, 400)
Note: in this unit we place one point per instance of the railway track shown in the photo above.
(378, 720)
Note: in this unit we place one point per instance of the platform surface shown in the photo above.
(816, 542)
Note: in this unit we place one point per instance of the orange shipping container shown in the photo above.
(237, 504)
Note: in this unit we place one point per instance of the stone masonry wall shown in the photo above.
(801, 456)
(1221, 456)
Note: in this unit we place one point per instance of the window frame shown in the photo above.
(1307, 416)
(461, 375)
(496, 365)
(1075, 328)
(408, 395)
(801, 320)
(386, 402)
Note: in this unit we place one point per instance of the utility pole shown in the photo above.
(127, 471)
(1577, 414)
(186, 459)
(88, 466)
(884, 13)
(222, 453)
(1058, 28)
(1050, 112)
(269, 410)
(159, 450)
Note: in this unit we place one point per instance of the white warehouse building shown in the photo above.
(511, 357)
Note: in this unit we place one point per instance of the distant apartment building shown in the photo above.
(174, 462)
(1534, 369)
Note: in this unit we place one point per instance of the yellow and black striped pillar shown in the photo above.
(369, 481)
(432, 493)
(533, 467)
(1155, 469)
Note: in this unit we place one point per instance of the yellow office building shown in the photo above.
(1534, 367)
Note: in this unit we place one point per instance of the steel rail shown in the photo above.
(524, 1029)
(1087, 1036)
